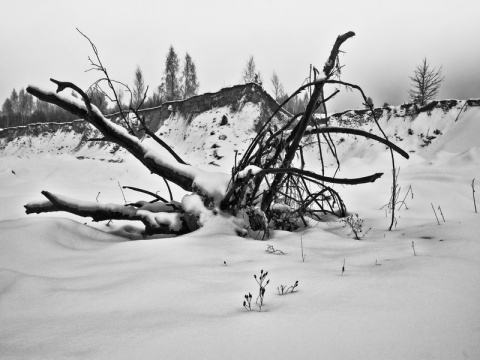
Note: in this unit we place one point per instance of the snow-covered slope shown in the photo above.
(205, 129)
(443, 125)
(70, 291)
(209, 129)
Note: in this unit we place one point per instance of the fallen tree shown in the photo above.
(269, 185)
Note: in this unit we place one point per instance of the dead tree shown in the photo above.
(271, 184)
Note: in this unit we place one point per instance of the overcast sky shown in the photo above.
(39, 40)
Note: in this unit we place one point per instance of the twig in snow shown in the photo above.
(120, 186)
(403, 201)
(301, 244)
(343, 267)
(413, 247)
(473, 190)
(435, 213)
(272, 250)
(97, 196)
(441, 213)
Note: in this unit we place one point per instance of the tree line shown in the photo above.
(425, 85)
(21, 109)
(177, 83)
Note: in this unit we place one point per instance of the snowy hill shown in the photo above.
(197, 126)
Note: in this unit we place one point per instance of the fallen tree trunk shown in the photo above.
(157, 218)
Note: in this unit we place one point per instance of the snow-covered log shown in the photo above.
(157, 218)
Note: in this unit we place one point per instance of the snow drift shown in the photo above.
(68, 290)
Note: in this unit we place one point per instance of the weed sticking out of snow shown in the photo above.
(272, 250)
(247, 303)
(438, 221)
(282, 289)
(301, 245)
(355, 224)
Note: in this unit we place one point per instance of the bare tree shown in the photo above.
(278, 90)
(268, 185)
(426, 83)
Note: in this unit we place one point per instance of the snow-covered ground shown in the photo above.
(69, 290)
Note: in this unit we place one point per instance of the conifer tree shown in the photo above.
(172, 86)
(138, 88)
(189, 78)
(278, 90)
(250, 73)
(98, 99)
(7, 112)
(426, 83)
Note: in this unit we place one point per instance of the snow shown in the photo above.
(172, 220)
(250, 168)
(193, 204)
(69, 290)
(213, 184)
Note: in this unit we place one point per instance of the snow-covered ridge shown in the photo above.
(249, 104)
(439, 125)
(210, 128)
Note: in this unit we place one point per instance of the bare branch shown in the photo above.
(333, 130)
(309, 174)
(158, 197)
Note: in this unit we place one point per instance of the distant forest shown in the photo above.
(177, 83)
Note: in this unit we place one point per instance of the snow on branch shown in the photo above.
(155, 222)
(181, 174)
